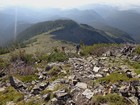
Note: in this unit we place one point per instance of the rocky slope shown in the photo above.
(94, 80)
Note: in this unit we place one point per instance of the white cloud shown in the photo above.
(66, 3)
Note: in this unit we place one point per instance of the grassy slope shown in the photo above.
(45, 43)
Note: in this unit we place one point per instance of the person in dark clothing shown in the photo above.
(63, 49)
(77, 48)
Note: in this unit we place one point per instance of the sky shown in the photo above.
(66, 4)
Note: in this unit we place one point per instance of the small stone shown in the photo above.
(48, 68)
(88, 93)
(96, 69)
(47, 97)
(44, 73)
(41, 77)
(33, 83)
(81, 85)
(60, 93)
(10, 103)
(2, 89)
(44, 85)
(105, 70)
(134, 100)
(35, 90)
(54, 100)
(98, 76)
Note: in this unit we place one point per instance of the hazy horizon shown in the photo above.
(63, 4)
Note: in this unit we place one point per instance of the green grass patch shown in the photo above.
(57, 56)
(137, 71)
(58, 72)
(135, 66)
(3, 64)
(137, 50)
(114, 77)
(4, 51)
(96, 49)
(27, 78)
(22, 55)
(110, 99)
(10, 94)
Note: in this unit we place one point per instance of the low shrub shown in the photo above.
(43, 57)
(111, 99)
(23, 56)
(135, 65)
(27, 78)
(57, 56)
(3, 64)
(96, 49)
(4, 51)
(114, 77)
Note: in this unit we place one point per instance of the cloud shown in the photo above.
(66, 3)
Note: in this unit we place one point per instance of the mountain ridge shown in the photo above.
(69, 30)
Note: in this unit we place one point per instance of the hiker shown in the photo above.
(63, 49)
(77, 48)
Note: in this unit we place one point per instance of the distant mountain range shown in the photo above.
(71, 31)
(106, 18)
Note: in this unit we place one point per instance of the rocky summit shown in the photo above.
(111, 78)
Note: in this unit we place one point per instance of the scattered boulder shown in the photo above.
(43, 85)
(54, 101)
(81, 85)
(35, 90)
(47, 96)
(98, 76)
(96, 69)
(62, 95)
(2, 89)
(129, 74)
(48, 68)
(88, 93)
(2, 74)
(17, 84)
(10, 103)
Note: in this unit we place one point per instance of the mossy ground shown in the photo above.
(111, 99)
(10, 94)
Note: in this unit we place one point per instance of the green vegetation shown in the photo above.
(33, 101)
(137, 50)
(54, 71)
(114, 77)
(3, 64)
(135, 66)
(10, 94)
(137, 71)
(111, 99)
(27, 78)
(22, 55)
(4, 51)
(43, 57)
(97, 49)
(57, 56)
(58, 72)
